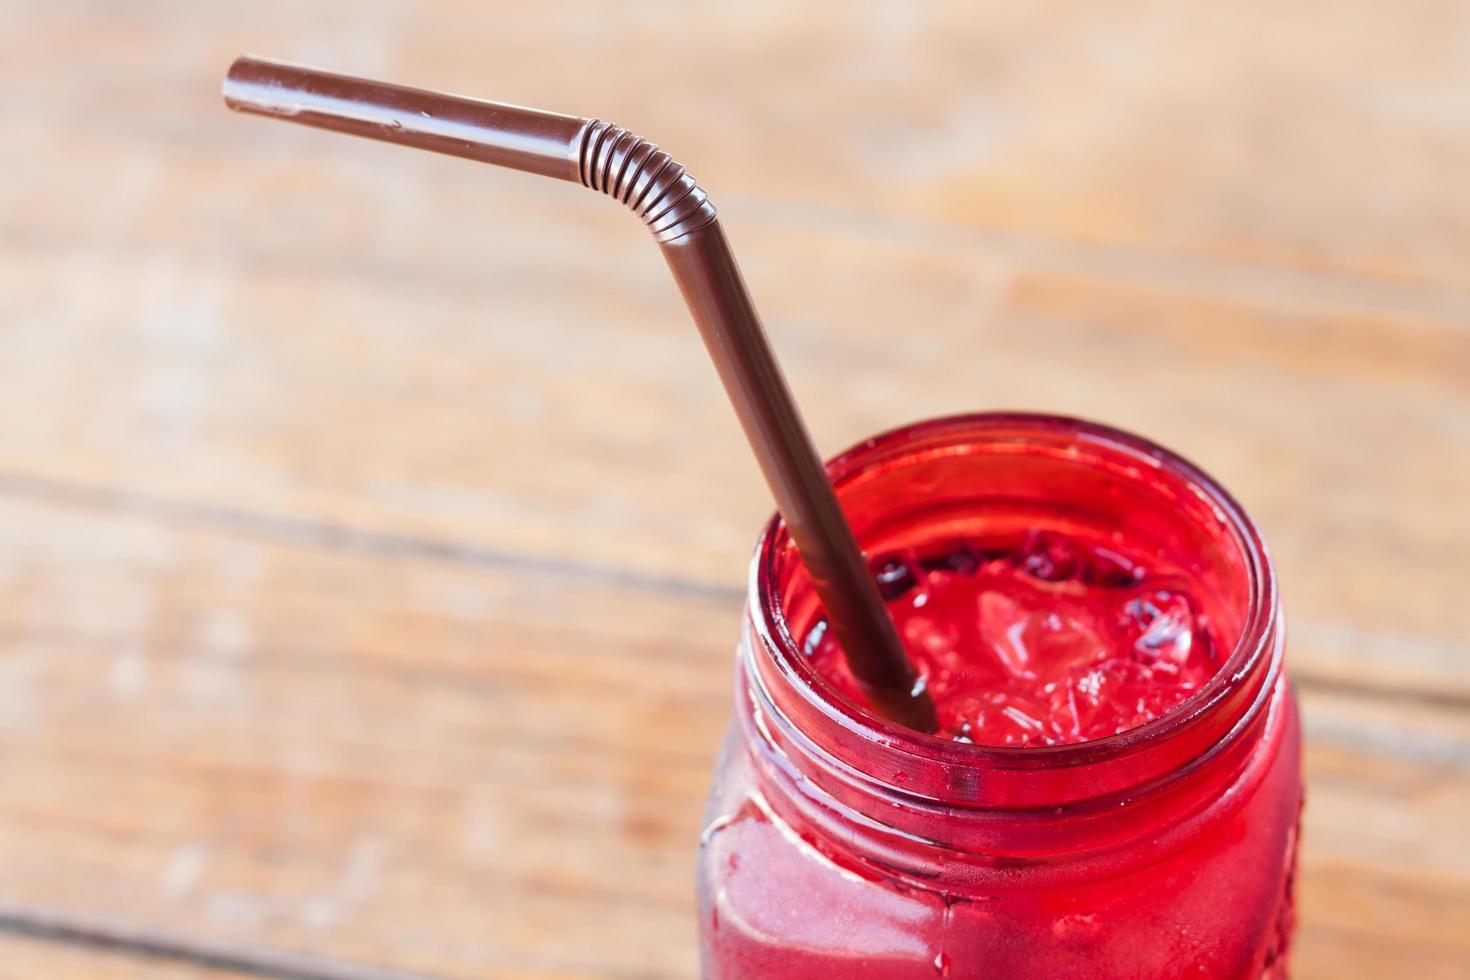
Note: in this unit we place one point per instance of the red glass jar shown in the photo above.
(840, 845)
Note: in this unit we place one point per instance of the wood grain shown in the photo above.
(372, 532)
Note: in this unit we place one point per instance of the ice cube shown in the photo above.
(1004, 625)
(1158, 625)
(996, 718)
(1035, 632)
(1048, 556)
(1110, 697)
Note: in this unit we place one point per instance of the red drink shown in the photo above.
(1045, 640)
(1115, 786)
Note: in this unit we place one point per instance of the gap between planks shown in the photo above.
(145, 945)
(328, 536)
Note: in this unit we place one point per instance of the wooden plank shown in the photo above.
(1383, 890)
(447, 767)
(1249, 134)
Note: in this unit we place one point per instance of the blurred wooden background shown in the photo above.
(373, 532)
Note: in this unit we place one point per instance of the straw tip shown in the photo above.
(241, 64)
(244, 71)
(233, 76)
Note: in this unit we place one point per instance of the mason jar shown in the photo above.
(837, 844)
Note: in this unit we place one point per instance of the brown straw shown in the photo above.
(678, 212)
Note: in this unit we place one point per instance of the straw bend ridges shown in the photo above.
(632, 170)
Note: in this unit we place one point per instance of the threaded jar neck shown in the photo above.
(849, 774)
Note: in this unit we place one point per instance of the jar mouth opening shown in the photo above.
(1252, 646)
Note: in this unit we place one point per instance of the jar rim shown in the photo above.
(1253, 646)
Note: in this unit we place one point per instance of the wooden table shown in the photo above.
(373, 533)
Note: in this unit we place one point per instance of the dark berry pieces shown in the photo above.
(961, 559)
(894, 577)
(1048, 556)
